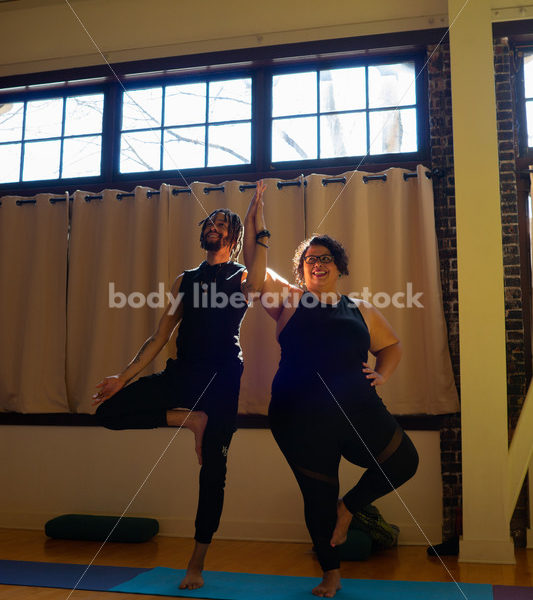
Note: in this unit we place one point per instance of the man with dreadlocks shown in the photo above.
(199, 390)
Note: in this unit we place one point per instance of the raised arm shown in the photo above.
(384, 345)
(248, 243)
(279, 297)
(254, 248)
(148, 351)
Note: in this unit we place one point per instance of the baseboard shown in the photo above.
(33, 521)
(410, 534)
(487, 551)
(270, 531)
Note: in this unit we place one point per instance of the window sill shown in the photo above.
(408, 422)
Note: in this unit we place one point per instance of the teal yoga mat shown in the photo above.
(245, 586)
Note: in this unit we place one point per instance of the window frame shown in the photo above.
(165, 174)
(63, 94)
(524, 150)
(259, 64)
(350, 162)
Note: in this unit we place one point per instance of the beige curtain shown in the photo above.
(118, 265)
(388, 230)
(126, 250)
(33, 272)
(285, 218)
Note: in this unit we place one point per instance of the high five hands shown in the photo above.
(254, 215)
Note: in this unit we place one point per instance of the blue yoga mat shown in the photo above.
(245, 586)
(239, 586)
(60, 575)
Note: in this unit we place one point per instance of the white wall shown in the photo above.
(41, 35)
(48, 471)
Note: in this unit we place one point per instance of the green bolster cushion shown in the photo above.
(96, 528)
(358, 546)
(383, 534)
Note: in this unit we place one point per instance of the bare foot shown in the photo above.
(330, 585)
(344, 518)
(196, 421)
(193, 580)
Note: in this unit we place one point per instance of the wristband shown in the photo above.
(261, 244)
(261, 234)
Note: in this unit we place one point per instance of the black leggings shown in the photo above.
(313, 444)
(144, 404)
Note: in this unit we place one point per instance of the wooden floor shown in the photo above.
(405, 562)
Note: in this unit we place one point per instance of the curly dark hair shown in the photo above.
(235, 230)
(340, 258)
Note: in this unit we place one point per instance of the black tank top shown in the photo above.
(213, 309)
(328, 341)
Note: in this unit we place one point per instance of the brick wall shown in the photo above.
(514, 324)
(441, 142)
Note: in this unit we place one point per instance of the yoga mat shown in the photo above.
(60, 575)
(512, 592)
(245, 586)
(239, 586)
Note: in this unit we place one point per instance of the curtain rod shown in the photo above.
(121, 195)
(246, 186)
(242, 187)
(34, 201)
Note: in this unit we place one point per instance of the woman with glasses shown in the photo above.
(324, 401)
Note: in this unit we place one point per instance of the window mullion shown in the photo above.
(207, 98)
(318, 109)
(367, 103)
(23, 143)
(62, 141)
(259, 139)
(111, 133)
(162, 135)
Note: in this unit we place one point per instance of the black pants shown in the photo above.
(144, 404)
(313, 442)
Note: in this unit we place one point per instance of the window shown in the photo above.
(528, 89)
(190, 125)
(251, 115)
(344, 112)
(53, 138)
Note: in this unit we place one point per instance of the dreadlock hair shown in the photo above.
(235, 230)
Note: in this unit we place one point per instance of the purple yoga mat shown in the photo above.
(512, 592)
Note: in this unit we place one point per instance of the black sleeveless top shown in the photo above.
(213, 309)
(329, 342)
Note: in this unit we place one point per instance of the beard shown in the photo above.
(211, 245)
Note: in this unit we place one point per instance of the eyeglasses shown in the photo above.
(323, 258)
